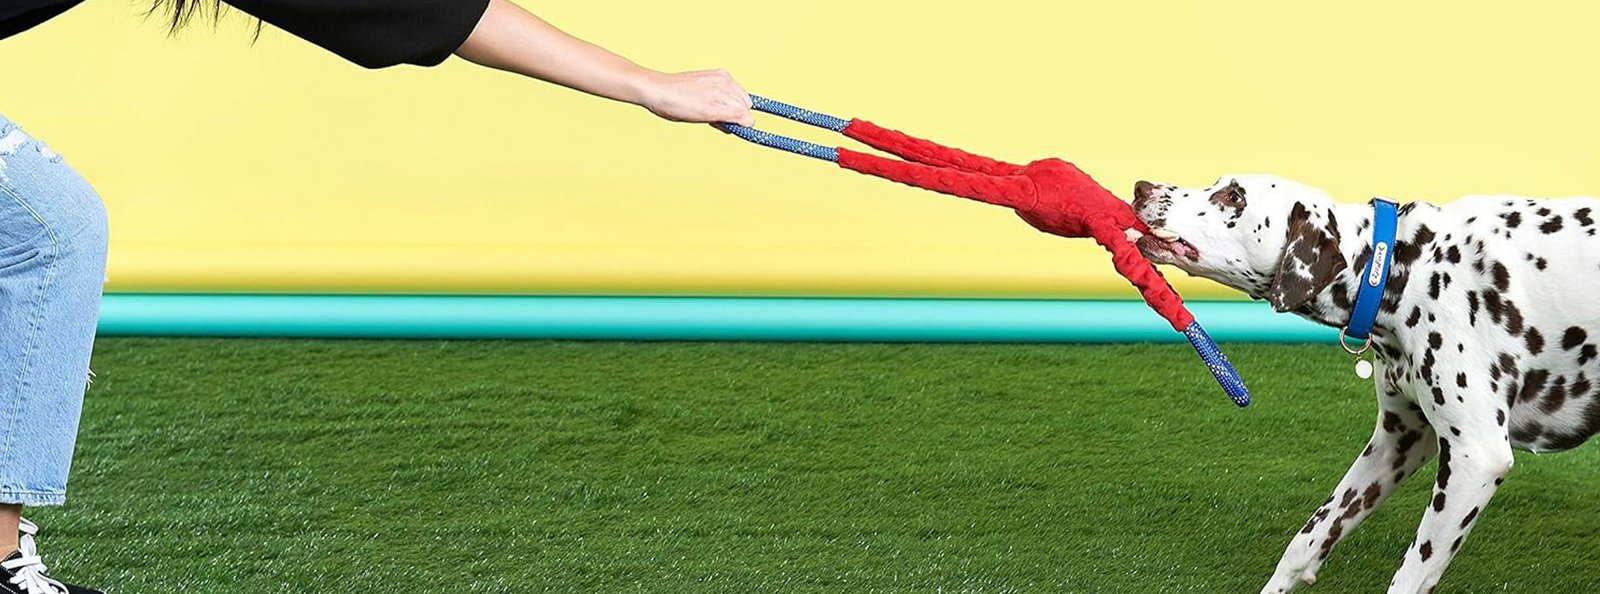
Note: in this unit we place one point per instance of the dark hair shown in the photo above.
(180, 12)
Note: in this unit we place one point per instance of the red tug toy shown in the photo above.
(1052, 195)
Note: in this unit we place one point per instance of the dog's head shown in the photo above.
(1272, 238)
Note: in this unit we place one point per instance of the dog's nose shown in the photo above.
(1142, 193)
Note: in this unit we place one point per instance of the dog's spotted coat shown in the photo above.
(1488, 336)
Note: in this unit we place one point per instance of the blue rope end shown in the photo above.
(1218, 364)
(783, 143)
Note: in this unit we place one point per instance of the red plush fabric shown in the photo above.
(1052, 195)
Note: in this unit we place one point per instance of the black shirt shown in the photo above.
(372, 33)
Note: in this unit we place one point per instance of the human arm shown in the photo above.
(512, 39)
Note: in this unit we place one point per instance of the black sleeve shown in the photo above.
(16, 18)
(375, 33)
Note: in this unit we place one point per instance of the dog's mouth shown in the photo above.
(1165, 246)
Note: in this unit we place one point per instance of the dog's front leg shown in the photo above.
(1474, 457)
(1402, 443)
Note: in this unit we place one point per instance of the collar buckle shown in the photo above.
(1344, 342)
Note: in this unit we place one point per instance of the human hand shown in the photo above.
(703, 97)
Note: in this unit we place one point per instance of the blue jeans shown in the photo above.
(52, 268)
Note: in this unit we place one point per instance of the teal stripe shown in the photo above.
(685, 318)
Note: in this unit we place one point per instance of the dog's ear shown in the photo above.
(1311, 261)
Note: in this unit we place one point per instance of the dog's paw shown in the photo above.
(1284, 583)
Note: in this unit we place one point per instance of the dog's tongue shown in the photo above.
(1184, 249)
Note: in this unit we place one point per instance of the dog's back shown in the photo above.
(1530, 307)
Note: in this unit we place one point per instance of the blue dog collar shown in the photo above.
(1385, 217)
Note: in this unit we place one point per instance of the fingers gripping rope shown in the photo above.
(1052, 195)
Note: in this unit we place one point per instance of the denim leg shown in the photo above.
(53, 236)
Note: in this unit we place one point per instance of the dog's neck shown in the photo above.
(1333, 305)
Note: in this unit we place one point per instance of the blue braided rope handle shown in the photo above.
(785, 143)
(1218, 364)
(1203, 345)
(804, 116)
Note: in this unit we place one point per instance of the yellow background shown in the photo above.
(229, 165)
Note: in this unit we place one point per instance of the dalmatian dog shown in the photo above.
(1487, 337)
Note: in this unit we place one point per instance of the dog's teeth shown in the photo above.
(1133, 235)
(1164, 234)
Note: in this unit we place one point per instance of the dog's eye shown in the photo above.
(1230, 197)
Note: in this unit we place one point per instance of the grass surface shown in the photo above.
(401, 467)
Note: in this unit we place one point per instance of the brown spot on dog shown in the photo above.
(1495, 307)
(1391, 422)
(1310, 262)
(1527, 432)
(1513, 319)
(1405, 444)
(1407, 252)
(1535, 341)
(1508, 364)
(1443, 482)
(1317, 518)
(1573, 338)
(1533, 384)
(1556, 397)
(1369, 499)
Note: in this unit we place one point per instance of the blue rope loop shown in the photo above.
(784, 143)
(804, 116)
(1218, 364)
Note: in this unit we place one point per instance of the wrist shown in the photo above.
(641, 86)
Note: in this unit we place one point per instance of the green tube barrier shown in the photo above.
(685, 318)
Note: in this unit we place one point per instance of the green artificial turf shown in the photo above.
(410, 467)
